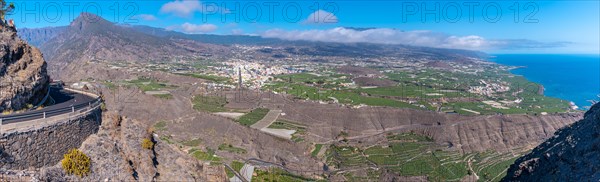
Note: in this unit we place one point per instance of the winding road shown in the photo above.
(65, 102)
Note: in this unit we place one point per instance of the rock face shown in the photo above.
(571, 155)
(23, 78)
(465, 133)
(117, 155)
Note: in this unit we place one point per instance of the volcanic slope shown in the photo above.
(571, 155)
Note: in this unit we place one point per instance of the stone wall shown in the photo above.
(45, 146)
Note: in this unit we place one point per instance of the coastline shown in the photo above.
(567, 77)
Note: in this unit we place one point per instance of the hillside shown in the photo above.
(89, 37)
(23, 78)
(571, 155)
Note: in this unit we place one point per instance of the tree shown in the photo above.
(6, 9)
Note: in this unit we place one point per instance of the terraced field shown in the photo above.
(276, 174)
(409, 154)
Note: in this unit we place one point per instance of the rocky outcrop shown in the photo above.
(116, 154)
(571, 155)
(23, 78)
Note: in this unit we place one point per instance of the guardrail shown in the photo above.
(43, 100)
(54, 112)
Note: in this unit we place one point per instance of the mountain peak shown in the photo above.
(86, 19)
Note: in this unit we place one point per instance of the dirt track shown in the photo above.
(269, 119)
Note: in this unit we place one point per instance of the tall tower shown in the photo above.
(240, 77)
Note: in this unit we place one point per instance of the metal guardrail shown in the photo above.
(235, 173)
(54, 112)
(43, 100)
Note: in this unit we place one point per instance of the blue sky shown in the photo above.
(489, 26)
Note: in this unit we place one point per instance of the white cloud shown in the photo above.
(321, 17)
(182, 8)
(146, 17)
(186, 8)
(414, 38)
(237, 31)
(194, 28)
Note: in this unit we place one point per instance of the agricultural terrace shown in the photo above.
(409, 154)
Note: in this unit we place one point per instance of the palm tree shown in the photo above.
(6, 9)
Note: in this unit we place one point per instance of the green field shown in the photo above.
(231, 148)
(192, 143)
(300, 130)
(209, 103)
(237, 166)
(163, 96)
(212, 78)
(410, 154)
(275, 174)
(316, 150)
(345, 96)
(424, 89)
(253, 117)
(160, 125)
(208, 155)
(148, 84)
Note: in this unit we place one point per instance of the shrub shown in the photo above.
(76, 162)
(147, 144)
(7, 112)
(103, 106)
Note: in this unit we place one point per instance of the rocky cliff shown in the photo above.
(23, 78)
(465, 133)
(571, 155)
(117, 155)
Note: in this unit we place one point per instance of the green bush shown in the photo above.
(103, 107)
(76, 162)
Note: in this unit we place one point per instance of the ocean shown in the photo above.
(574, 78)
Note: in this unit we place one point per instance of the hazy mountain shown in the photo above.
(211, 38)
(38, 36)
(320, 48)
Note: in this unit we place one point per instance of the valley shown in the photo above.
(296, 110)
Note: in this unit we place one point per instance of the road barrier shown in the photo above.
(21, 117)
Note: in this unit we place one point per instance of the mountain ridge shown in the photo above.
(89, 21)
(89, 37)
(572, 154)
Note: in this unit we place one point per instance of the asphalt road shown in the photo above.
(64, 101)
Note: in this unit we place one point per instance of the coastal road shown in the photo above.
(65, 102)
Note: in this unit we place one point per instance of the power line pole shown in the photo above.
(240, 77)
